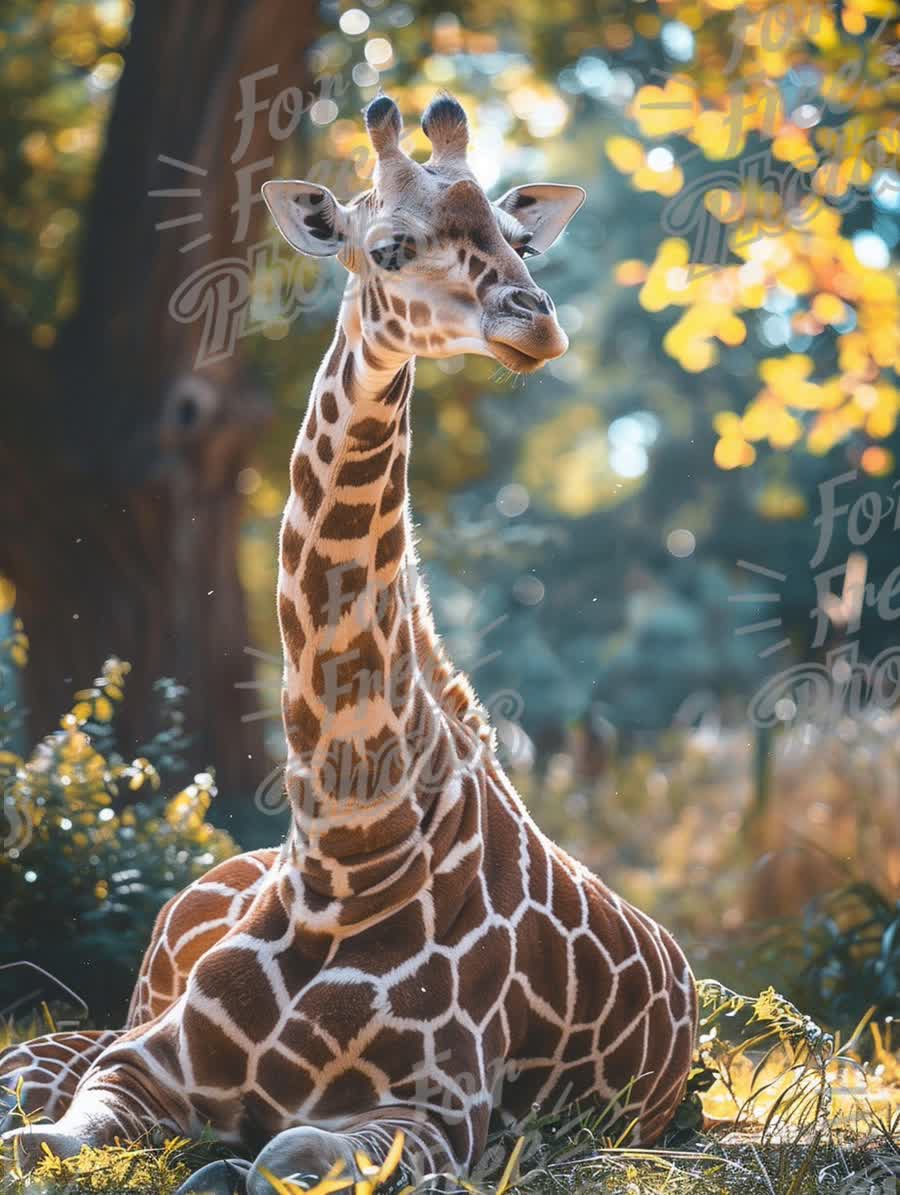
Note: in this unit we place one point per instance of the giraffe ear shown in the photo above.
(308, 216)
(543, 209)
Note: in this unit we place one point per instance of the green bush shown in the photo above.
(91, 846)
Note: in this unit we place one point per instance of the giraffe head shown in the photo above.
(438, 267)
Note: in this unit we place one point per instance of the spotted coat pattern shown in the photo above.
(417, 955)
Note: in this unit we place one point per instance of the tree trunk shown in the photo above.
(119, 505)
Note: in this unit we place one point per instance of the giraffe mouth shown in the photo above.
(514, 358)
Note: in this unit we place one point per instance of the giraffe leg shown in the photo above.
(51, 1067)
(40, 1076)
(306, 1154)
(228, 1177)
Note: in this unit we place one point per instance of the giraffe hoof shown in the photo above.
(303, 1156)
(228, 1177)
(25, 1146)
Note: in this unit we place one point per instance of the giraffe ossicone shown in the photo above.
(417, 956)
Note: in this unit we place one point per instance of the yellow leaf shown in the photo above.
(626, 154)
(510, 1168)
(7, 594)
(392, 1161)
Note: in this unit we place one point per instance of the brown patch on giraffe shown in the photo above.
(438, 770)
(677, 1001)
(394, 328)
(400, 677)
(407, 884)
(162, 973)
(489, 280)
(595, 980)
(189, 913)
(216, 1060)
(579, 1044)
(357, 472)
(476, 266)
(399, 306)
(306, 485)
(337, 352)
(292, 1084)
(634, 987)
(419, 341)
(160, 1046)
(624, 1064)
(348, 521)
(397, 389)
(376, 281)
(372, 433)
(566, 902)
(301, 961)
(472, 913)
(395, 490)
(300, 723)
(370, 357)
(426, 994)
(483, 972)
(501, 845)
(356, 674)
(350, 1092)
(212, 1111)
(455, 1046)
(459, 823)
(456, 696)
(316, 588)
(541, 952)
(234, 976)
(328, 406)
(312, 424)
(291, 628)
(390, 546)
(352, 845)
(302, 1039)
(365, 877)
(537, 867)
(400, 935)
(342, 1010)
(394, 1052)
(386, 757)
(344, 774)
(383, 340)
(436, 341)
(291, 548)
(348, 373)
(575, 1082)
(524, 1088)
(260, 1120)
(324, 450)
(267, 918)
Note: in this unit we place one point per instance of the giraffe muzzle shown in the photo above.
(521, 328)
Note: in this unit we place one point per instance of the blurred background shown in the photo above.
(669, 562)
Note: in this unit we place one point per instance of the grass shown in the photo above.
(776, 1106)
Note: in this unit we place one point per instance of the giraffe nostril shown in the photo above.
(533, 302)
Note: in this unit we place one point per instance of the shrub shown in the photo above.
(91, 846)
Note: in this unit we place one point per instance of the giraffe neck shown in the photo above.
(380, 728)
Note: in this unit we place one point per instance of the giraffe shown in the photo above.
(417, 956)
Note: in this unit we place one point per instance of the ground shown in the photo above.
(776, 1107)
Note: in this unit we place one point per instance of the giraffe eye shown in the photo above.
(394, 254)
(525, 250)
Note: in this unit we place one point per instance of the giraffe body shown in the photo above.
(418, 955)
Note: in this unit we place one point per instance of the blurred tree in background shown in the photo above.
(728, 292)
